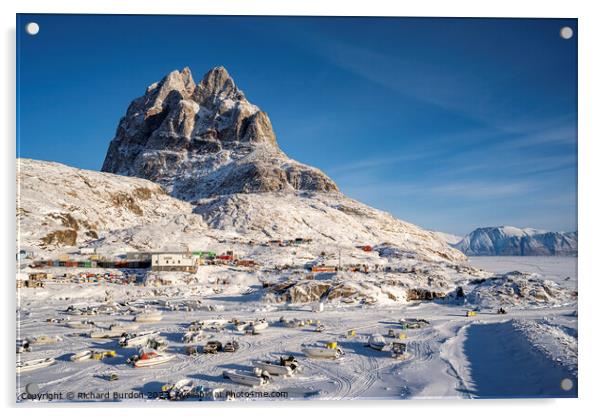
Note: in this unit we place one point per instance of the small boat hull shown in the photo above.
(81, 356)
(150, 317)
(106, 334)
(34, 365)
(322, 352)
(158, 360)
(260, 326)
(274, 369)
(246, 379)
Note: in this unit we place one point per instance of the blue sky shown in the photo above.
(451, 124)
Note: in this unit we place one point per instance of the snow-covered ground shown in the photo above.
(562, 270)
(525, 353)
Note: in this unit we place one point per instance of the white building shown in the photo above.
(174, 262)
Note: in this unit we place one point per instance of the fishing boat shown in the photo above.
(330, 351)
(283, 367)
(81, 356)
(253, 378)
(34, 364)
(150, 358)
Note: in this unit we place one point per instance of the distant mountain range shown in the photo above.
(513, 241)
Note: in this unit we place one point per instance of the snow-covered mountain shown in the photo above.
(512, 241)
(205, 139)
(193, 165)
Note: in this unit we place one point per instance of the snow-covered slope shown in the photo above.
(512, 241)
(63, 207)
(60, 207)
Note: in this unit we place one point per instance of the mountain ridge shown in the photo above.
(513, 241)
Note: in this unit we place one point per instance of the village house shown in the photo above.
(87, 250)
(174, 262)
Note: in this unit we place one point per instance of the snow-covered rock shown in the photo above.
(204, 140)
(519, 289)
(512, 241)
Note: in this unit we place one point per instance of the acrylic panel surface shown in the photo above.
(306, 208)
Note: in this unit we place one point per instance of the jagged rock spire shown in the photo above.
(182, 129)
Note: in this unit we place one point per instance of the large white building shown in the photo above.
(174, 262)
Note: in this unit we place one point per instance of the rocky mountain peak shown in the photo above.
(217, 85)
(205, 139)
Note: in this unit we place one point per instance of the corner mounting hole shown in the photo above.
(32, 28)
(566, 32)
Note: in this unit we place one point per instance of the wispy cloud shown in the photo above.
(465, 91)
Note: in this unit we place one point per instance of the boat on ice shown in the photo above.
(150, 358)
(179, 390)
(283, 367)
(242, 326)
(136, 340)
(254, 378)
(377, 342)
(156, 343)
(258, 325)
(213, 322)
(149, 317)
(43, 340)
(124, 328)
(23, 366)
(106, 334)
(413, 323)
(92, 355)
(81, 356)
(212, 347)
(231, 346)
(192, 336)
(329, 350)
